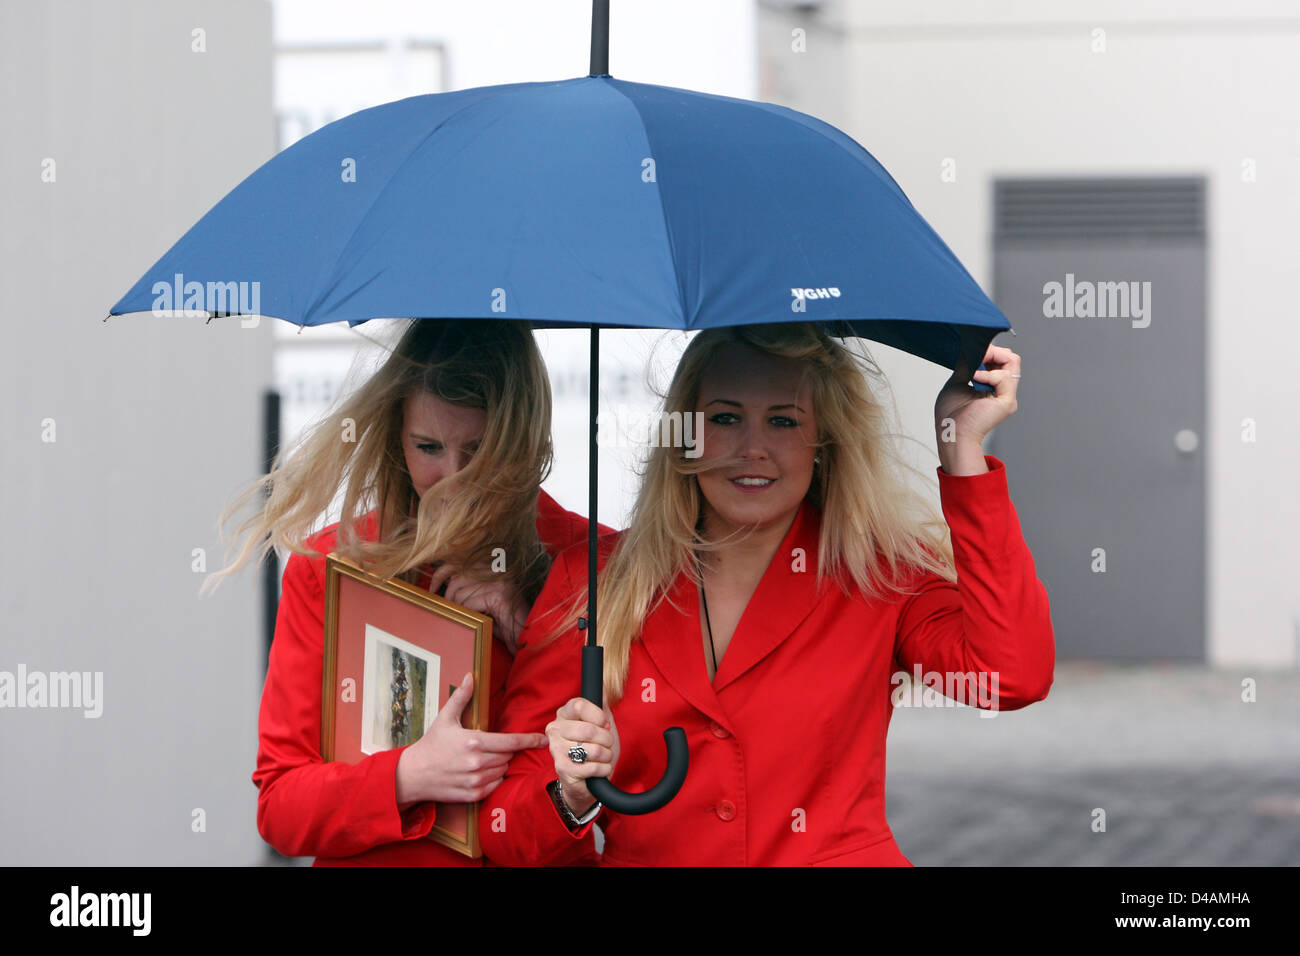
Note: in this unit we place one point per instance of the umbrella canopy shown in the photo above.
(588, 202)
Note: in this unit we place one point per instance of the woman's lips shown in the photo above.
(751, 484)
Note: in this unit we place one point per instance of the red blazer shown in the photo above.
(346, 814)
(787, 744)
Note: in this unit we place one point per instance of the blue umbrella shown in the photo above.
(588, 202)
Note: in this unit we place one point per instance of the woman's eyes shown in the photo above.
(730, 418)
(434, 448)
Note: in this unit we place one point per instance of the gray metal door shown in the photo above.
(1106, 454)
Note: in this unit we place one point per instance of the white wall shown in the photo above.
(1014, 88)
(155, 421)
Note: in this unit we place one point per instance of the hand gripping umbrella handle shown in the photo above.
(593, 678)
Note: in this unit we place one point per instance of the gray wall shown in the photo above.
(156, 421)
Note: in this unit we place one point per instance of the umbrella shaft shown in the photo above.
(593, 398)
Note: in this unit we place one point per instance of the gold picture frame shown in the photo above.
(392, 654)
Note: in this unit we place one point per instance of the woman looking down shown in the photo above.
(443, 451)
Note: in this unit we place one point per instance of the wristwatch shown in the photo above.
(566, 814)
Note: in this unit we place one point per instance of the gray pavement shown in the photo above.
(1186, 772)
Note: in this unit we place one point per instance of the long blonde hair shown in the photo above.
(494, 365)
(868, 509)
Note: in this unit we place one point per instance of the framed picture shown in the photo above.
(394, 654)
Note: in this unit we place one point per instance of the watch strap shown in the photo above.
(571, 820)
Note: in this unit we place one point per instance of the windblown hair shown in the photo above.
(493, 365)
(876, 530)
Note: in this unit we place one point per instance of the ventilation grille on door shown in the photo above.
(1099, 208)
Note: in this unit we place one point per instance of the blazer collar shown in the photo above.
(786, 594)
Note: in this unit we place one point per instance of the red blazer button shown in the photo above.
(726, 810)
(719, 730)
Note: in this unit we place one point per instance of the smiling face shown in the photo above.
(758, 409)
(438, 438)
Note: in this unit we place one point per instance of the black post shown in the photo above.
(271, 564)
(599, 37)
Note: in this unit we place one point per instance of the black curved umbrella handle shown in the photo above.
(593, 685)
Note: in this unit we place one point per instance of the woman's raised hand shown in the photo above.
(974, 413)
(580, 723)
(495, 597)
(450, 764)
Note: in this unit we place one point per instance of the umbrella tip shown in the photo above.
(599, 38)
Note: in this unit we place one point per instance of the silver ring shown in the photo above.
(577, 755)
(1015, 374)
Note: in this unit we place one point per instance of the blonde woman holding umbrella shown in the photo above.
(762, 598)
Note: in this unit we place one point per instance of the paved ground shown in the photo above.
(1187, 773)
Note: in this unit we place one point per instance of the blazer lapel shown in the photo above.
(786, 594)
(674, 642)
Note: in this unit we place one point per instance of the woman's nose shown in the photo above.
(751, 441)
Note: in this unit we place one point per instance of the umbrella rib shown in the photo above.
(687, 320)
